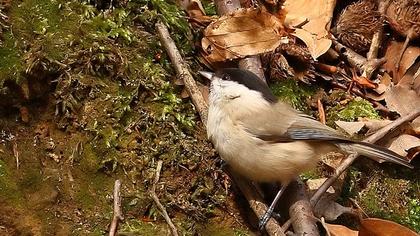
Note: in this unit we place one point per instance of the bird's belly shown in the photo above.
(262, 162)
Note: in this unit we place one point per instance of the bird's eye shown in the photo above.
(226, 77)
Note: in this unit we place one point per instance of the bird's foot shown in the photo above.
(265, 218)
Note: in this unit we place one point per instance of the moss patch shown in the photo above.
(290, 91)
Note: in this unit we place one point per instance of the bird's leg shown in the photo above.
(267, 215)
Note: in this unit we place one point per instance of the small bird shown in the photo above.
(266, 140)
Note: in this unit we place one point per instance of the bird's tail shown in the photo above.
(375, 152)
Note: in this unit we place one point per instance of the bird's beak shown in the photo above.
(206, 74)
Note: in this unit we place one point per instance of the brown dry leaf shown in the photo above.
(402, 97)
(365, 82)
(353, 128)
(403, 145)
(380, 227)
(341, 230)
(331, 210)
(415, 125)
(195, 11)
(392, 52)
(245, 32)
(318, 15)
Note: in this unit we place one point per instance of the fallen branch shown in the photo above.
(373, 63)
(351, 158)
(155, 198)
(182, 71)
(354, 59)
(300, 210)
(256, 202)
(118, 216)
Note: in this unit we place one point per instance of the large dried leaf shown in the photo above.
(403, 144)
(353, 128)
(402, 98)
(379, 227)
(409, 57)
(318, 15)
(245, 32)
(340, 230)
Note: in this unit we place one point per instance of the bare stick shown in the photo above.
(155, 198)
(182, 71)
(118, 216)
(351, 158)
(357, 61)
(373, 63)
(256, 202)
(16, 153)
(300, 210)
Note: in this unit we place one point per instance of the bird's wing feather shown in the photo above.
(281, 123)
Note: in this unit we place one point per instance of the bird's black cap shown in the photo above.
(248, 79)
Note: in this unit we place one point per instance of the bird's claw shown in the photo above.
(263, 221)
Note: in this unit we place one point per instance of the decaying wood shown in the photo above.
(155, 198)
(182, 71)
(118, 215)
(300, 210)
(351, 158)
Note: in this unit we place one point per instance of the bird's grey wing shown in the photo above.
(282, 123)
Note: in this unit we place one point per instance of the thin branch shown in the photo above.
(118, 215)
(182, 71)
(352, 157)
(256, 202)
(354, 59)
(155, 198)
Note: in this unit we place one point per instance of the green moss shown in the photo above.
(8, 187)
(413, 217)
(90, 161)
(310, 174)
(353, 110)
(387, 198)
(209, 7)
(137, 227)
(292, 92)
(31, 180)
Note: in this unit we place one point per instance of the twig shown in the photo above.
(157, 202)
(182, 71)
(352, 157)
(321, 112)
(118, 216)
(256, 202)
(351, 56)
(16, 153)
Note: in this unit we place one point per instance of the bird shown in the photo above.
(265, 139)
